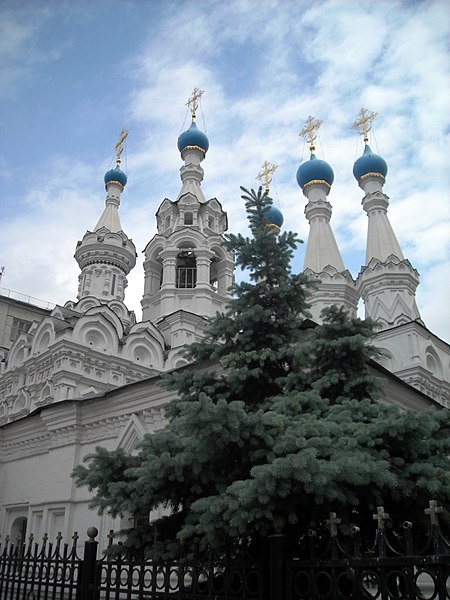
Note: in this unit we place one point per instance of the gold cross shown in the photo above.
(264, 175)
(119, 145)
(363, 123)
(309, 131)
(193, 101)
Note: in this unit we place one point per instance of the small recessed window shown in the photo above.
(18, 326)
(188, 218)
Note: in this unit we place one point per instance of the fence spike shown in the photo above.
(75, 539)
(407, 526)
(110, 537)
(356, 535)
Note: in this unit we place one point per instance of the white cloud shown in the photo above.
(265, 67)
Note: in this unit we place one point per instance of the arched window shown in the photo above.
(186, 270)
(18, 531)
(213, 279)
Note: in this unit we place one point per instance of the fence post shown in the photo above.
(277, 570)
(87, 588)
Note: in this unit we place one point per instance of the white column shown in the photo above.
(169, 258)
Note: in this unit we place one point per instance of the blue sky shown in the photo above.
(73, 74)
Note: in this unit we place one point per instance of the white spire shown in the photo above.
(323, 261)
(110, 215)
(387, 283)
(381, 239)
(322, 249)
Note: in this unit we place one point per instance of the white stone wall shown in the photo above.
(39, 452)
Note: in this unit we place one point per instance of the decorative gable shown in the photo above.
(131, 435)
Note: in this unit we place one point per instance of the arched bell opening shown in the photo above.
(214, 274)
(186, 270)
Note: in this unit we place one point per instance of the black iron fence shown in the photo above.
(324, 565)
(31, 572)
(394, 566)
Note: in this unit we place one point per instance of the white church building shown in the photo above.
(87, 373)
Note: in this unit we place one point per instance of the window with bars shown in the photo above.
(186, 270)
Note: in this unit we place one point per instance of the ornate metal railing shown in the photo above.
(340, 567)
(196, 578)
(327, 565)
(33, 572)
(134, 580)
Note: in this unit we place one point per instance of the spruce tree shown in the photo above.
(274, 425)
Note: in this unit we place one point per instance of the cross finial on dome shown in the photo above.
(363, 123)
(265, 173)
(309, 131)
(119, 145)
(193, 101)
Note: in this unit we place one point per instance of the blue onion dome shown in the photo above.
(369, 163)
(274, 216)
(116, 175)
(314, 170)
(193, 138)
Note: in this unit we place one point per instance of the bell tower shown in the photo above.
(106, 255)
(188, 272)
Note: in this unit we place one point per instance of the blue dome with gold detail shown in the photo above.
(369, 163)
(193, 137)
(116, 174)
(314, 169)
(274, 216)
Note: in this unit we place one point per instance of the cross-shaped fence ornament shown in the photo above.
(380, 517)
(332, 523)
(434, 510)
(110, 537)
